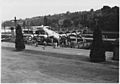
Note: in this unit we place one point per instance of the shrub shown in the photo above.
(19, 41)
(97, 53)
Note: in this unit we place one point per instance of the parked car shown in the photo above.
(5, 37)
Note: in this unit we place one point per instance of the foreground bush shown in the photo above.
(19, 42)
(97, 53)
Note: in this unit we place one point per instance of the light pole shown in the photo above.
(15, 21)
(4, 27)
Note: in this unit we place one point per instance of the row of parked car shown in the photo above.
(77, 40)
(5, 37)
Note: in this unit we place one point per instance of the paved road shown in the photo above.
(62, 65)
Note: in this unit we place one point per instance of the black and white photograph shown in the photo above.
(59, 41)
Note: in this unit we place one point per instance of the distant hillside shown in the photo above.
(108, 20)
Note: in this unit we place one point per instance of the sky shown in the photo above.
(32, 8)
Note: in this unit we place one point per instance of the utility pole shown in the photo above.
(4, 27)
(15, 22)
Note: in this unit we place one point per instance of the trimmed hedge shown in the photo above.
(19, 41)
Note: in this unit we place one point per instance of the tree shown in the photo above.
(97, 53)
(108, 16)
(19, 41)
(105, 8)
(67, 23)
(45, 21)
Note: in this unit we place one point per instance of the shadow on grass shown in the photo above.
(17, 50)
(52, 54)
(12, 49)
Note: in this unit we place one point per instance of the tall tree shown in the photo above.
(67, 23)
(45, 21)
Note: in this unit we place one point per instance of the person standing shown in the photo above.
(55, 42)
(44, 44)
(35, 41)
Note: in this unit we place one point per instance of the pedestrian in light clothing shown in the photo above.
(44, 44)
(55, 42)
